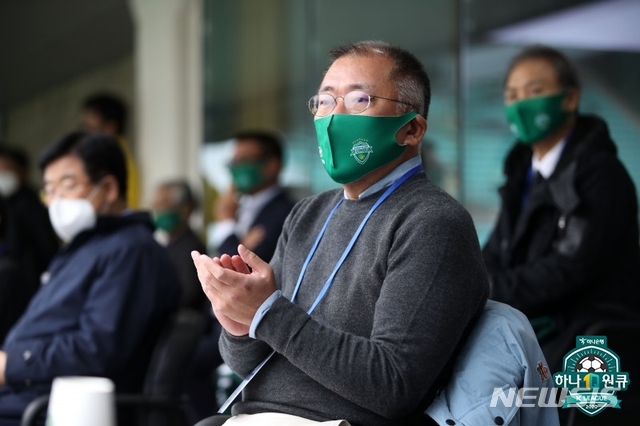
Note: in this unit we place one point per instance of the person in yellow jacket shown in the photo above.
(106, 113)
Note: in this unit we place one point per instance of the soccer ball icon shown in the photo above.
(591, 364)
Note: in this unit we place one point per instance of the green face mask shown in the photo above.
(531, 120)
(167, 221)
(353, 145)
(247, 176)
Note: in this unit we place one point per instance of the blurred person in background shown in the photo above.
(14, 294)
(29, 237)
(107, 293)
(565, 247)
(173, 203)
(106, 113)
(253, 211)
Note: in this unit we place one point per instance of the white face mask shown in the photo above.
(9, 183)
(70, 216)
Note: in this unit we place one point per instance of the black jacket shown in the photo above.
(271, 219)
(570, 253)
(30, 238)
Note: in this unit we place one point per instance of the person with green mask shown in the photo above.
(372, 285)
(253, 211)
(568, 227)
(172, 205)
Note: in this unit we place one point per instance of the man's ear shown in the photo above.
(271, 168)
(572, 100)
(111, 189)
(412, 133)
(186, 211)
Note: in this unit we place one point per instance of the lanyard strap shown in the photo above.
(347, 250)
(329, 281)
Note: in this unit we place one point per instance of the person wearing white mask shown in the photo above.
(106, 294)
(29, 237)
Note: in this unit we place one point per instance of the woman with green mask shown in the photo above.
(568, 223)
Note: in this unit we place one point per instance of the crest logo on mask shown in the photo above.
(361, 150)
(542, 121)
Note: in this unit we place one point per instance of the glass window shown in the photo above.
(264, 59)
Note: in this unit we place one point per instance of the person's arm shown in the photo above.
(270, 222)
(90, 348)
(434, 286)
(242, 354)
(585, 248)
(262, 238)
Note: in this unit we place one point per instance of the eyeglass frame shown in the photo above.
(335, 102)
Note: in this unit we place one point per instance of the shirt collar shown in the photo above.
(259, 199)
(547, 164)
(394, 175)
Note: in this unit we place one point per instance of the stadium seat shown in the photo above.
(161, 402)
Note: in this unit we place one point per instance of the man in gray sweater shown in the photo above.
(372, 286)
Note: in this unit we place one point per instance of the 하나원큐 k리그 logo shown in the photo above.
(592, 375)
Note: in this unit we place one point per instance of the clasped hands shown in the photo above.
(236, 286)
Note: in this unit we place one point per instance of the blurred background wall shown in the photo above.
(194, 72)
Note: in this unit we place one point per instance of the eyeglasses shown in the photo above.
(354, 102)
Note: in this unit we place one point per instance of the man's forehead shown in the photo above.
(358, 73)
(65, 167)
(248, 146)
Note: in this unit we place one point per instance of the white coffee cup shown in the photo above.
(82, 401)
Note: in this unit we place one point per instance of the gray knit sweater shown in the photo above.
(398, 306)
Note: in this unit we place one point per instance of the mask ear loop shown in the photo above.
(103, 209)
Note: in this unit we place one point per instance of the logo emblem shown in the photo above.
(361, 150)
(592, 375)
(542, 121)
(320, 152)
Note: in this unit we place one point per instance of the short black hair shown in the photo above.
(183, 195)
(18, 156)
(270, 142)
(109, 107)
(408, 74)
(565, 71)
(100, 154)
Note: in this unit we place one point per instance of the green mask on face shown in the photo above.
(247, 176)
(353, 145)
(531, 120)
(167, 221)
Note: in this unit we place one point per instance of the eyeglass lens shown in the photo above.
(354, 102)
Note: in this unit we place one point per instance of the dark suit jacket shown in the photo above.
(179, 251)
(271, 218)
(570, 254)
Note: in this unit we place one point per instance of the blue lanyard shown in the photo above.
(329, 281)
(347, 250)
